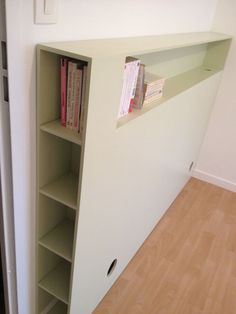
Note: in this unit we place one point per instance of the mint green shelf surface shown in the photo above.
(60, 239)
(57, 282)
(63, 190)
(55, 128)
(59, 308)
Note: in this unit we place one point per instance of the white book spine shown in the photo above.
(136, 66)
(123, 93)
(128, 88)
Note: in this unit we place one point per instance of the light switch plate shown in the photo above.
(46, 11)
(49, 7)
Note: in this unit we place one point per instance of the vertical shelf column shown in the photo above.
(59, 151)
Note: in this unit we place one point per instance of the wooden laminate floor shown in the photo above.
(188, 263)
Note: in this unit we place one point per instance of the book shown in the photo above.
(69, 95)
(130, 77)
(153, 87)
(122, 110)
(73, 86)
(63, 90)
(82, 107)
(139, 91)
(128, 88)
(77, 95)
(135, 64)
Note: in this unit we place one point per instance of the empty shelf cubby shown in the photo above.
(59, 169)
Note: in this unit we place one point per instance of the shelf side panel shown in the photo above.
(50, 214)
(131, 177)
(54, 158)
(48, 95)
(216, 54)
(47, 261)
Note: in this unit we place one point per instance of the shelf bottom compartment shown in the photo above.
(57, 282)
(59, 308)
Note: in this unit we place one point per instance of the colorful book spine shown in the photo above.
(128, 89)
(130, 77)
(83, 101)
(69, 94)
(139, 92)
(73, 95)
(63, 91)
(77, 103)
(135, 71)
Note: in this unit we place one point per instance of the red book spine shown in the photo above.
(63, 91)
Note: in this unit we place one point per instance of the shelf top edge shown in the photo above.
(97, 48)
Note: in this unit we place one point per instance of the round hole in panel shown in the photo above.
(112, 267)
(209, 70)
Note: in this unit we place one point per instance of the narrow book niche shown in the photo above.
(73, 84)
(140, 87)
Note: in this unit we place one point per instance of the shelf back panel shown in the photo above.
(173, 62)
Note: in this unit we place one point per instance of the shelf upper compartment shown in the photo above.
(60, 239)
(134, 45)
(57, 282)
(63, 190)
(55, 128)
(173, 86)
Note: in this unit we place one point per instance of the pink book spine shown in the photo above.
(63, 91)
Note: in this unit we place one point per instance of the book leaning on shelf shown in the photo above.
(73, 82)
(130, 76)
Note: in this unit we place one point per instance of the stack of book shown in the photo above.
(153, 88)
(73, 84)
(140, 88)
(130, 77)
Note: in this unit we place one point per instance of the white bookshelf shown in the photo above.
(100, 193)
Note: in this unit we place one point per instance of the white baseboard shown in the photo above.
(204, 176)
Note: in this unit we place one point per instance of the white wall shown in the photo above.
(217, 159)
(78, 19)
